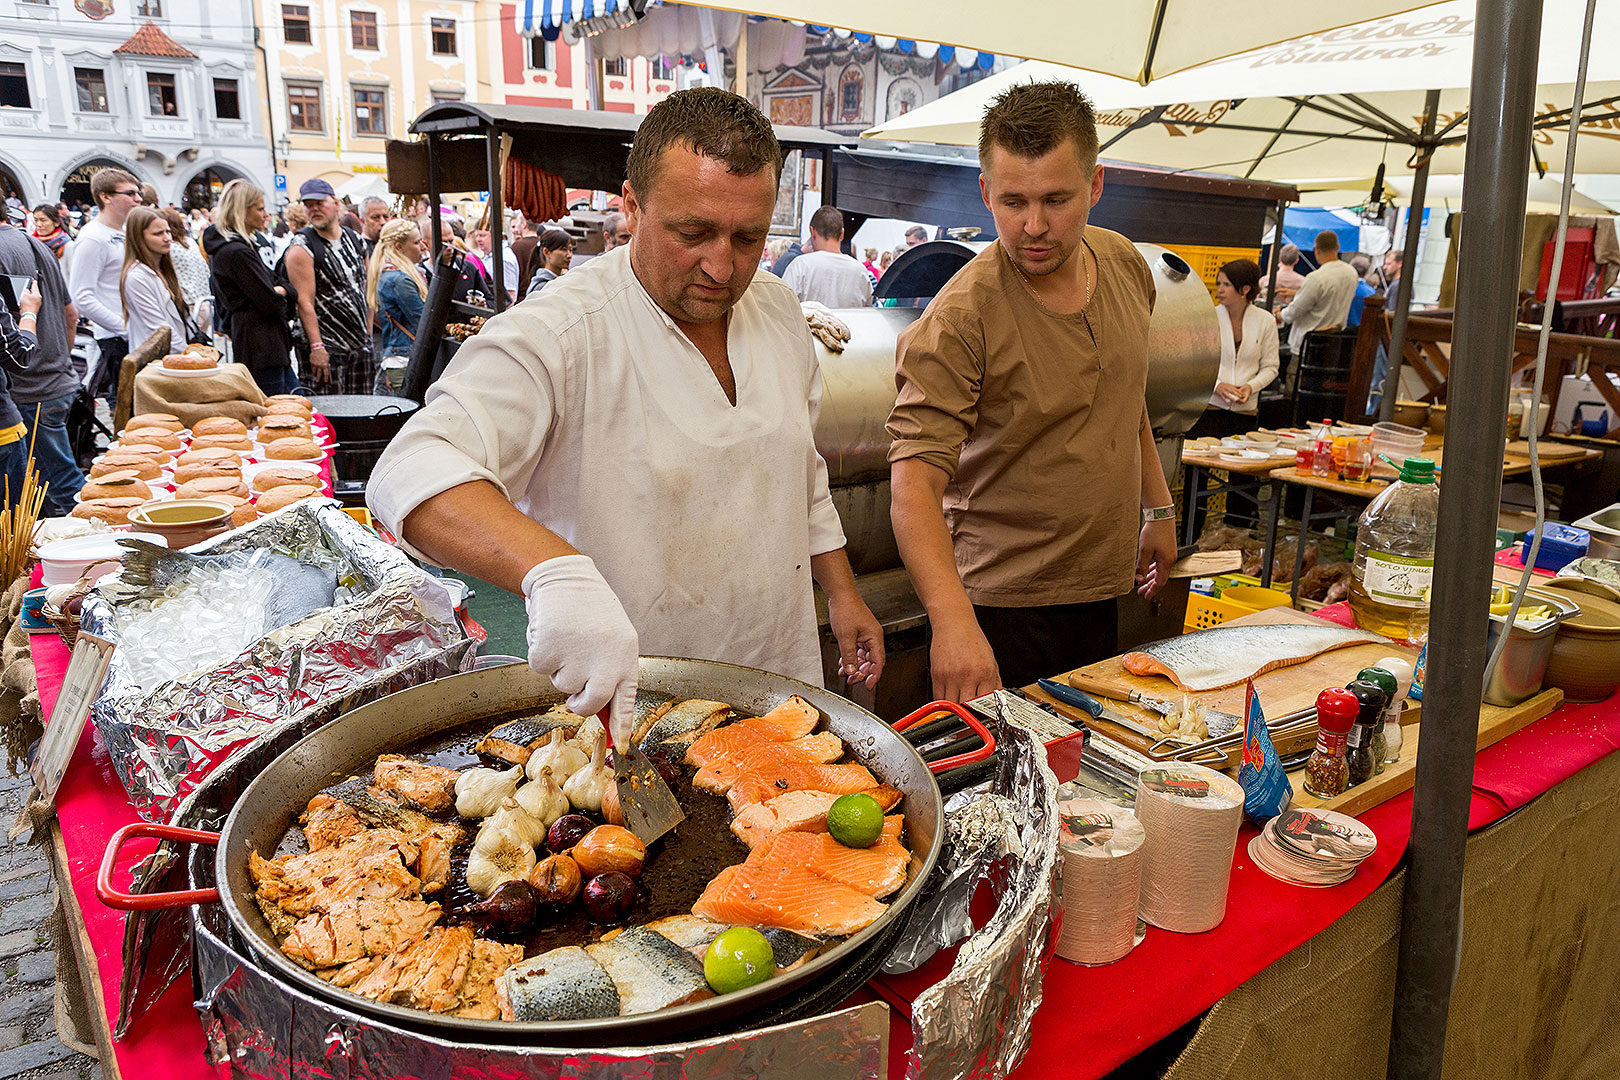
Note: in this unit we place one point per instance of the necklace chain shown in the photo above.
(1085, 272)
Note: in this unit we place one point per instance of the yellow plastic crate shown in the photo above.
(1206, 611)
(1254, 597)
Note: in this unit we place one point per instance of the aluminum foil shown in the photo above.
(975, 1022)
(164, 741)
(261, 1027)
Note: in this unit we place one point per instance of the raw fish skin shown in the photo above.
(650, 971)
(1225, 656)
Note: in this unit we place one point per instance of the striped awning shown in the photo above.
(927, 50)
(545, 18)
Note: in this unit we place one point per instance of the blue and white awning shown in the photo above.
(927, 50)
(545, 18)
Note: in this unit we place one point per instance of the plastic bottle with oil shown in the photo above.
(1394, 563)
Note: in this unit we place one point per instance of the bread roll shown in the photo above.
(293, 450)
(208, 487)
(147, 468)
(289, 408)
(265, 479)
(139, 449)
(184, 474)
(189, 362)
(207, 352)
(272, 428)
(151, 436)
(227, 442)
(166, 421)
(208, 453)
(112, 511)
(115, 485)
(285, 495)
(299, 399)
(219, 425)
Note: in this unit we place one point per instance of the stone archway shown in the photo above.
(75, 185)
(14, 183)
(201, 192)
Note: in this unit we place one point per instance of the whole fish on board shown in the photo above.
(1227, 655)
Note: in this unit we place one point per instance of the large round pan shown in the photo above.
(350, 745)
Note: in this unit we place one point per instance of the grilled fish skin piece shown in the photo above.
(480, 998)
(1224, 656)
(672, 730)
(792, 950)
(720, 775)
(328, 822)
(797, 811)
(515, 740)
(354, 929)
(650, 971)
(563, 984)
(426, 973)
(377, 810)
(693, 934)
(426, 787)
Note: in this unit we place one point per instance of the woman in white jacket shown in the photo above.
(147, 285)
(1248, 353)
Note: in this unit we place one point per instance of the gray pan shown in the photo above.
(351, 744)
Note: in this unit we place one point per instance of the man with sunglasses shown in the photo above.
(94, 273)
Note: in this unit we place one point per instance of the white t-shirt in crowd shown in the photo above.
(830, 278)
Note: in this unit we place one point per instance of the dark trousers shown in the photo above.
(113, 350)
(53, 452)
(280, 379)
(1038, 642)
(351, 372)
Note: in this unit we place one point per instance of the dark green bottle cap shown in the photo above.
(1417, 470)
(1385, 680)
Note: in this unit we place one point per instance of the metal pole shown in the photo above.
(436, 226)
(1403, 288)
(1506, 41)
(1275, 260)
(495, 218)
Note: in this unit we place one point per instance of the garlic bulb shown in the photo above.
(515, 821)
(497, 856)
(585, 736)
(542, 798)
(479, 791)
(562, 757)
(584, 789)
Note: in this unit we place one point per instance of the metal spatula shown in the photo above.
(647, 804)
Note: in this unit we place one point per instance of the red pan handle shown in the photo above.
(150, 901)
(962, 713)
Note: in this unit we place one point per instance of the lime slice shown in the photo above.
(737, 959)
(855, 820)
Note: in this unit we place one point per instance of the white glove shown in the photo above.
(581, 639)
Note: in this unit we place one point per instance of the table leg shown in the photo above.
(1299, 548)
(1271, 532)
(1191, 479)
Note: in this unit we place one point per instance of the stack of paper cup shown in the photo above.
(1191, 815)
(1101, 848)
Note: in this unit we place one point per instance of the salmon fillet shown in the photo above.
(354, 929)
(426, 973)
(796, 811)
(774, 893)
(794, 718)
(719, 775)
(876, 871)
(767, 782)
(727, 742)
(429, 787)
(1224, 656)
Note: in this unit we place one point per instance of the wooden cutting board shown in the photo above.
(1548, 451)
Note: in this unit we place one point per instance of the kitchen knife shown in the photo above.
(1082, 700)
(1099, 688)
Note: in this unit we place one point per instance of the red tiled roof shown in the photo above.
(149, 40)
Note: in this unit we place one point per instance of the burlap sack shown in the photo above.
(230, 391)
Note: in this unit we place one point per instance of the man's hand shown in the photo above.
(320, 363)
(29, 302)
(860, 640)
(580, 638)
(963, 666)
(1155, 552)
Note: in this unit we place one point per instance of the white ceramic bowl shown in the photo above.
(66, 561)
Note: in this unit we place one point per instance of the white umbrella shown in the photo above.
(1544, 195)
(1139, 40)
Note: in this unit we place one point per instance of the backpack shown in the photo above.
(317, 245)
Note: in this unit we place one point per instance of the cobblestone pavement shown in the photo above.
(29, 1047)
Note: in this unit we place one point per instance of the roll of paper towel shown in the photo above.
(1191, 815)
(1101, 848)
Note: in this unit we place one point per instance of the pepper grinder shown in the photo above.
(1402, 670)
(1326, 773)
(1371, 701)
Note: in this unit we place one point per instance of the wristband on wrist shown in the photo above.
(1158, 513)
(28, 315)
(317, 345)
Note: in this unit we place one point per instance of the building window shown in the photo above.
(363, 29)
(370, 112)
(849, 94)
(436, 96)
(14, 86)
(444, 37)
(542, 54)
(304, 111)
(227, 99)
(160, 99)
(149, 9)
(663, 68)
(295, 24)
(92, 84)
(617, 66)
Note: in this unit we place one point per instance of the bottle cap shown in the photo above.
(1401, 669)
(1417, 470)
(1336, 710)
(1384, 680)
(1371, 697)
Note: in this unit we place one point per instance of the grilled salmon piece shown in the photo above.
(354, 929)
(794, 718)
(426, 973)
(775, 893)
(328, 822)
(429, 787)
(719, 775)
(727, 742)
(766, 782)
(479, 993)
(876, 871)
(796, 811)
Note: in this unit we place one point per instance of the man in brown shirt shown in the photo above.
(1027, 492)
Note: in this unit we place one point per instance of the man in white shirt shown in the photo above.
(97, 267)
(633, 448)
(825, 274)
(1324, 300)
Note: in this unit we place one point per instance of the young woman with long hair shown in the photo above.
(256, 307)
(147, 284)
(395, 290)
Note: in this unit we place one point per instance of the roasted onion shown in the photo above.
(556, 879)
(510, 909)
(567, 831)
(609, 898)
(610, 848)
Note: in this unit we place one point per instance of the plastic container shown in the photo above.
(1519, 673)
(1394, 561)
(1397, 441)
(96, 555)
(1560, 545)
(1206, 611)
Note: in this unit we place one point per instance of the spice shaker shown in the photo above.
(1402, 670)
(1327, 773)
(1385, 681)
(1359, 751)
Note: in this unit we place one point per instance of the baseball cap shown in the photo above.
(315, 189)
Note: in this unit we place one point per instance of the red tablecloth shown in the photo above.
(1091, 1019)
